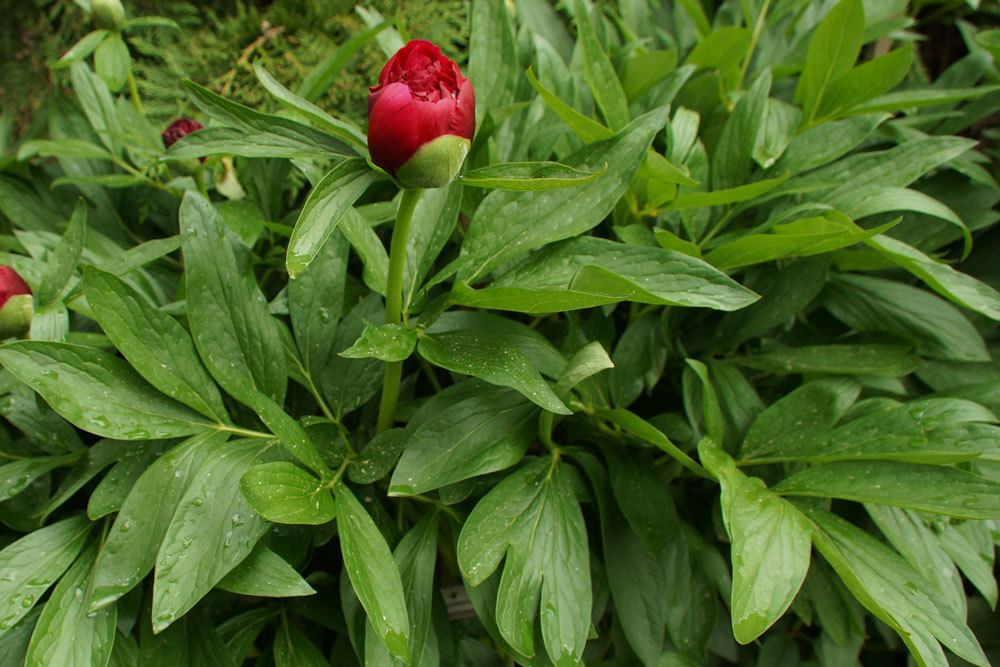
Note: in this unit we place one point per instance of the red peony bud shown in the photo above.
(421, 117)
(178, 129)
(16, 303)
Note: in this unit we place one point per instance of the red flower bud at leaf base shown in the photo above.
(108, 14)
(16, 303)
(178, 129)
(421, 117)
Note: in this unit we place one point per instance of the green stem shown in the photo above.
(245, 432)
(394, 304)
(754, 38)
(133, 90)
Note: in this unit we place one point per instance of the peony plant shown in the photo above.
(628, 334)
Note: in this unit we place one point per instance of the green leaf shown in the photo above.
(415, 556)
(895, 167)
(914, 540)
(103, 180)
(97, 104)
(35, 562)
(303, 107)
(866, 81)
(98, 457)
(233, 331)
(876, 199)
(493, 62)
(211, 532)
(589, 271)
(492, 359)
(823, 143)
(129, 552)
(508, 224)
(932, 325)
(970, 545)
(15, 477)
(959, 287)
(645, 431)
(723, 48)
(727, 196)
(280, 136)
(598, 71)
(528, 176)
(265, 574)
(378, 458)
(64, 257)
(873, 359)
(642, 496)
(542, 354)
(66, 632)
(644, 70)
(68, 148)
(387, 342)
(770, 546)
(637, 579)
(433, 223)
(369, 248)
(805, 414)
(533, 518)
(588, 129)
(808, 236)
(97, 392)
(715, 424)
(321, 77)
(389, 40)
(349, 383)
(929, 430)
(110, 493)
(921, 97)
(733, 161)
(833, 49)
(285, 493)
(112, 61)
(153, 342)
(240, 142)
(315, 305)
(589, 360)
(328, 202)
(373, 573)
(893, 591)
(83, 48)
(468, 429)
(925, 488)
(292, 648)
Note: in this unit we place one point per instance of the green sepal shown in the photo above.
(435, 164)
(16, 314)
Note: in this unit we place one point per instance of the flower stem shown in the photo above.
(394, 303)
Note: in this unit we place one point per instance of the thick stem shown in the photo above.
(394, 303)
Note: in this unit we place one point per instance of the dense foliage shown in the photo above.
(692, 365)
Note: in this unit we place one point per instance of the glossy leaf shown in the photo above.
(469, 429)
(284, 493)
(373, 573)
(492, 359)
(770, 546)
(107, 397)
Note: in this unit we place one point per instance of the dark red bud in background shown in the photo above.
(178, 129)
(421, 116)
